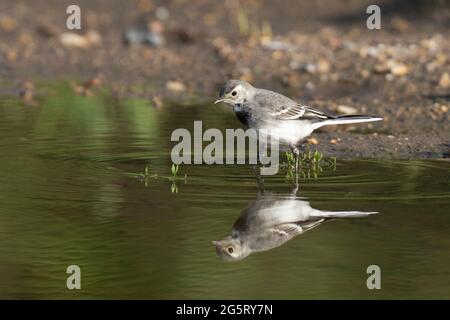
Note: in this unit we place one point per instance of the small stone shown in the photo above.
(310, 85)
(94, 37)
(156, 27)
(365, 73)
(444, 108)
(310, 68)
(312, 141)
(323, 66)
(294, 65)
(7, 23)
(277, 55)
(399, 69)
(145, 5)
(135, 36)
(333, 141)
(74, 40)
(444, 81)
(346, 109)
(175, 86)
(155, 39)
(162, 13)
(11, 55)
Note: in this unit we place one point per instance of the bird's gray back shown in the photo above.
(269, 102)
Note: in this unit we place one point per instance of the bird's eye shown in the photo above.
(230, 250)
(234, 93)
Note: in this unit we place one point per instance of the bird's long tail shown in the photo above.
(341, 214)
(346, 120)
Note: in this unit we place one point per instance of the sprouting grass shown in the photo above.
(249, 28)
(147, 176)
(311, 164)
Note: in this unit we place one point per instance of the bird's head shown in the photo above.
(231, 249)
(235, 91)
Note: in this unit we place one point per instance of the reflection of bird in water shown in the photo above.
(270, 221)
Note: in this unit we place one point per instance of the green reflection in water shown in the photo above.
(66, 197)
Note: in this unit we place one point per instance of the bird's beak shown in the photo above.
(218, 101)
(214, 242)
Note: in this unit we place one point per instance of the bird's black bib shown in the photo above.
(242, 114)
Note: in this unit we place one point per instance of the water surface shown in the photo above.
(69, 195)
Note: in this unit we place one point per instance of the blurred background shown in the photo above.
(85, 123)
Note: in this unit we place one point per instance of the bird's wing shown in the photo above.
(273, 237)
(281, 107)
(287, 230)
(298, 112)
(306, 226)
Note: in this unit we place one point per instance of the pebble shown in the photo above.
(365, 73)
(94, 37)
(312, 141)
(399, 69)
(156, 27)
(346, 109)
(135, 36)
(276, 45)
(11, 55)
(323, 66)
(74, 40)
(334, 141)
(155, 39)
(141, 36)
(310, 85)
(277, 55)
(162, 13)
(7, 23)
(310, 68)
(444, 81)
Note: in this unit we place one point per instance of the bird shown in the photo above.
(287, 120)
(272, 220)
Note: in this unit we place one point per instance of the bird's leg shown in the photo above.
(259, 180)
(296, 152)
(294, 189)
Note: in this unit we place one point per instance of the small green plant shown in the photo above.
(310, 164)
(174, 170)
(146, 176)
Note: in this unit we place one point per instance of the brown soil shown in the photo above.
(320, 53)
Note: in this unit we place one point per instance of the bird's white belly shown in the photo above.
(286, 211)
(288, 131)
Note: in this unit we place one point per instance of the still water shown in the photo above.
(70, 194)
